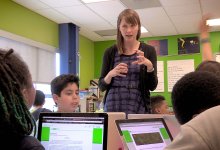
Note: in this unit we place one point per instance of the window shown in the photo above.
(49, 103)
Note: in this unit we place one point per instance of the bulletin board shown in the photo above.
(160, 75)
(176, 69)
(217, 57)
(196, 58)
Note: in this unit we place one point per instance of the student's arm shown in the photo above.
(204, 39)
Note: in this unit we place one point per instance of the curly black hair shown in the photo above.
(39, 98)
(15, 117)
(156, 101)
(210, 66)
(194, 93)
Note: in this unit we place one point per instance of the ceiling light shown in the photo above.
(143, 30)
(93, 1)
(213, 22)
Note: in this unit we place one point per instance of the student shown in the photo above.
(194, 93)
(210, 66)
(201, 133)
(16, 97)
(129, 69)
(38, 105)
(159, 105)
(65, 92)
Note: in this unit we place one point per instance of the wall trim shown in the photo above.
(27, 41)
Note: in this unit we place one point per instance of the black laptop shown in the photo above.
(78, 131)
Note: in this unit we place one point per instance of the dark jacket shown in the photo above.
(37, 112)
(148, 80)
(14, 142)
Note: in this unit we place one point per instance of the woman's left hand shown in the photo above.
(143, 60)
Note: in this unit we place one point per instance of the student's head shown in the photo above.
(39, 98)
(128, 27)
(16, 94)
(159, 105)
(194, 93)
(210, 66)
(65, 92)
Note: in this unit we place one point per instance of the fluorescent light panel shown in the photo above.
(93, 1)
(143, 30)
(213, 22)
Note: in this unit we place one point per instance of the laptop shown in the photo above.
(171, 121)
(78, 131)
(114, 140)
(144, 134)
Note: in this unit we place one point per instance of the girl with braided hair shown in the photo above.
(16, 97)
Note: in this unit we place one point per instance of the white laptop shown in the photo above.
(114, 140)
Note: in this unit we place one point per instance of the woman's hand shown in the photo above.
(120, 70)
(142, 60)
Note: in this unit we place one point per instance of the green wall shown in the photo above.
(24, 22)
(21, 21)
(99, 49)
(86, 49)
(172, 55)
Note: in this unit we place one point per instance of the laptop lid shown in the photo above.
(114, 139)
(83, 131)
(139, 134)
(170, 120)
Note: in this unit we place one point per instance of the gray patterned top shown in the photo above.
(125, 95)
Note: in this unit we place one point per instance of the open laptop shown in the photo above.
(144, 134)
(171, 121)
(78, 131)
(114, 140)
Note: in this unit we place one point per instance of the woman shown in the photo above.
(129, 69)
(16, 97)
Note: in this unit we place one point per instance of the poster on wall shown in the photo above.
(177, 69)
(160, 75)
(188, 45)
(161, 46)
(217, 57)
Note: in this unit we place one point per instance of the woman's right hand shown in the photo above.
(120, 70)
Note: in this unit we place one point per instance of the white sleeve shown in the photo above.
(187, 139)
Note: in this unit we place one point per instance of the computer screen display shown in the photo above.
(72, 132)
(144, 134)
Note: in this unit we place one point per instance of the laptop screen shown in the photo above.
(170, 120)
(144, 134)
(79, 131)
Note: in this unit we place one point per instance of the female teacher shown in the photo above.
(129, 69)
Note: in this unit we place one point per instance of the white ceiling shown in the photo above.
(171, 17)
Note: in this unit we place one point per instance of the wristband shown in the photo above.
(151, 70)
(204, 40)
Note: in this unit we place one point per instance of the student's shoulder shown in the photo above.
(46, 110)
(207, 125)
(30, 142)
(209, 116)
